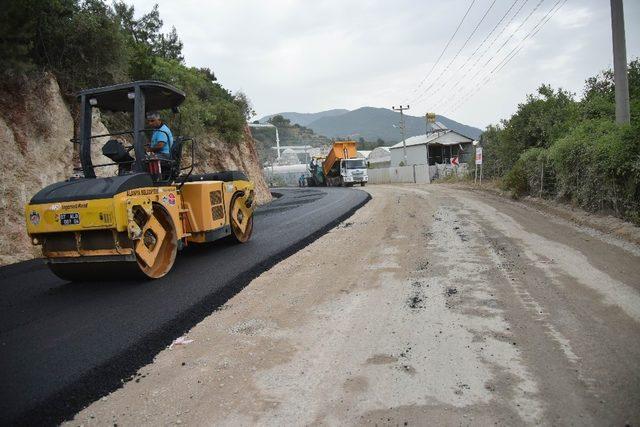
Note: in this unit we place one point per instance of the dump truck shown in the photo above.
(340, 167)
(134, 222)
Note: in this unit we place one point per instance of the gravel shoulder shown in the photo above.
(431, 304)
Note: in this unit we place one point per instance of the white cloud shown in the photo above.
(573, 17)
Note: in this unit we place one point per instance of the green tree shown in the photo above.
(145, 42)
(24, 25)
(599, 94)
(540, 120)
(279, 121)
(80, 42)
(244, 103)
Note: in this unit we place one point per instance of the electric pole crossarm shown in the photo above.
(401, 109)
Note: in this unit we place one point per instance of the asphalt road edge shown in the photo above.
(112, 375)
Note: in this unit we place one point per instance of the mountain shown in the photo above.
(369, 123)
(304, 119)
(372, 123)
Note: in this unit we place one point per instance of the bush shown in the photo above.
(516, 181)
(597, 166)
(532, 174)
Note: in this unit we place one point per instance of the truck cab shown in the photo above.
(353, 171)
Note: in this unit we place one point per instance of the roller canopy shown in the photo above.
(90, 189)
(158, 96)
(225, 176)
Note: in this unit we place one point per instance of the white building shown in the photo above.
(433, 149)
(380, 157)
(288, 156)
(363, 154)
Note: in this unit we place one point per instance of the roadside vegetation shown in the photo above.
(90, 43)
(559, 147)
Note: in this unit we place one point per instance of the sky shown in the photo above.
(310, 56)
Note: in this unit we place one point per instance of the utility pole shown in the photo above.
(620, 63)
(404, 144)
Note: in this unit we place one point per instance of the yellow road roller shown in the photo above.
(134, 220)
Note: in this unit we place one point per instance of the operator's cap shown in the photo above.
(152, 115)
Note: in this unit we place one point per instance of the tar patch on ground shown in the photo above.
(461, 387)
(405, 353)
(417, 298)
(423, 265)
(408, 369)
(345, 225)
(461, 234)
(451, 291)
(416, 301)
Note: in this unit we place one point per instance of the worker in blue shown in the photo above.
(161, 138)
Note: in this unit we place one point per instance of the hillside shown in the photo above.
(303, 119)
(372, 123)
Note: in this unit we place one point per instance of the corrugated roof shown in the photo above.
(380, 154)
(432, 138)
(381, 147)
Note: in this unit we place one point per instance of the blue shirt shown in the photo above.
(162, 134)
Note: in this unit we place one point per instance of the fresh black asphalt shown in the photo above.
(64, 345)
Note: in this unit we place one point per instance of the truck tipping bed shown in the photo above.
(340, 150)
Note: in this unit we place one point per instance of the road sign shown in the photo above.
(454, 161)
(478, 155)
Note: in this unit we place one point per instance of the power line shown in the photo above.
(531, 33)
(445, 48)
(457, 53)
(495, 54)
(514, 51)
(465, 72)
(512, 34)
(478, 48)
(499, 35)
(460, 100)
(503, 63)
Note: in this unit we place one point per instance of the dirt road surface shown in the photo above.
(429, 306)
